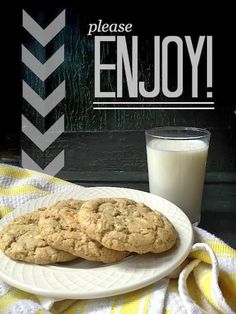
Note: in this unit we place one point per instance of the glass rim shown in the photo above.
(151, 132)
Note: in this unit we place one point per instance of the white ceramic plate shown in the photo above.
(81, 279)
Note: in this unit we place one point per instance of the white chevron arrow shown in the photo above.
(52, 168)
(43, 141)
(42, 70)
(44, 106)
(44, 36)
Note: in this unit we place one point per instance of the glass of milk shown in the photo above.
(176, 158)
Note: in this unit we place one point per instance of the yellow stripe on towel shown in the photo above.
(41, 311)
(118, 300)
(15, 173)
(62, 306)
(25, 173)
(200, 255)
(132, 302)
(221, 250)
(147, 300)
(194, 291)
(5, 210)
(14, 295)
(228, 287)
(24, 189)
(203, 277)
(77, 307)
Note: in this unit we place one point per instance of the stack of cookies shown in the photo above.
(103, 230)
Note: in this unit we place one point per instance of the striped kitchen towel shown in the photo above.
(204, 283)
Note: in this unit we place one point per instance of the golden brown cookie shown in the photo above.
(21, 240)
(70, 203)
(59, 226)
(125, 225)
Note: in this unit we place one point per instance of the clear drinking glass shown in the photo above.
(176, 158)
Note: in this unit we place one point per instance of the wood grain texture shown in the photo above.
(78, 71)
(110, 145)
(120, 151)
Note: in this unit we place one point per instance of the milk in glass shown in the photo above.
(176, 170)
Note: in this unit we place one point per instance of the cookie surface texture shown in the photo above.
(123, 224)
(60, 227)
(21, 240)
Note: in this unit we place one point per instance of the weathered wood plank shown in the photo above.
(134, 176)
(120, 151)
(217, 198)
(78, 70)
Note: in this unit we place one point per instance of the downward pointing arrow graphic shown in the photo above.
(43, 141)
(42, 70)
(46, 105)
(43, 106)
(44, 36)
(52, 168)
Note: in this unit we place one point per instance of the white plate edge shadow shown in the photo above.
(100, 291)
